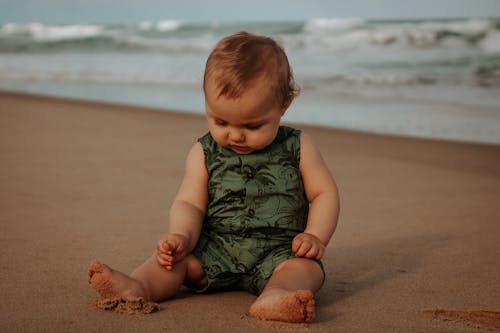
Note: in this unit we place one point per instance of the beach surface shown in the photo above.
(418, 235)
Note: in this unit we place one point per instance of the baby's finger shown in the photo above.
(303, 249)
(162, 261)
(165, 257)
(312, 253)
(167, 264)
(169, 247)
(316, 252)
(161, 247)
(321, 252)
(296, 242)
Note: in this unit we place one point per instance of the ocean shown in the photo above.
(435, 79)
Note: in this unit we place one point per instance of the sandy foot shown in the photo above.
(110, 283)
(293, 307)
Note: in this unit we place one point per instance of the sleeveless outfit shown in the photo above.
(256, 206)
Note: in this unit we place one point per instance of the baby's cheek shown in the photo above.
(218, 136)
(259, 140)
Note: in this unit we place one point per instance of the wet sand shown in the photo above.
(419, 227)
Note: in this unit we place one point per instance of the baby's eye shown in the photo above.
(219, 122)
(253, 127)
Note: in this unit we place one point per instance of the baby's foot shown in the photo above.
(282, 305)
(110, 283)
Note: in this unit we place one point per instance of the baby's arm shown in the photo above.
(187, 211)
(323, 197)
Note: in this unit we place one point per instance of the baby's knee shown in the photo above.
(195, 274)
(299, 264)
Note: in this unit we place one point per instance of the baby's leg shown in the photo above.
(149, 281)
(288, 295)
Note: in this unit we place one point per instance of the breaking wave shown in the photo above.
(331, 34)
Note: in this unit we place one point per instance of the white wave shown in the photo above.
(163, 26)
(347, 34)
(169, 25)
(367, 39)
(348, 41)
(9, 28)
(491, 43)
(45, 33)
(332, 24)
(403, 36)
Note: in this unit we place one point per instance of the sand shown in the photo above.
(487, 319)
(419, 227)
(127, 306)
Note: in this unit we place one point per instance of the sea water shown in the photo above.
(428, 78)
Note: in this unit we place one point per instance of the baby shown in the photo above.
(257, 205)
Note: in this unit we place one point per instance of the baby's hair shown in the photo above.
(240, 58)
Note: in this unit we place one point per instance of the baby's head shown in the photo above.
(248, 86)
(238, 60)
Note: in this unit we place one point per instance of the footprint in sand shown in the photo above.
(485, 318)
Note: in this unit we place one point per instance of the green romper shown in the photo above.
(256, 206)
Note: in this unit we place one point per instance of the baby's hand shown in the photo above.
(308, 246)
(171, 249)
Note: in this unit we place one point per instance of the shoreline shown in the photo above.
(79, 180)
(190, 113)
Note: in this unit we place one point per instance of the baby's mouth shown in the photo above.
(240, 149)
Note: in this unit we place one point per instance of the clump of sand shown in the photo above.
(489, 319)
(127, 306)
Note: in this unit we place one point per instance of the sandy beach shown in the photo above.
(419, 228)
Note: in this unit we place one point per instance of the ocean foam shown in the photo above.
(491, 43)
(45, 33)
(334, 34)
(332, 24)
(168, 25)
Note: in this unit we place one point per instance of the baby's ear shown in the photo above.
(286, 104)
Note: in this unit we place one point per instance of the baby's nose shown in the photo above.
(236, 135)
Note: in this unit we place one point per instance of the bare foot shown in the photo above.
(110, 283)
(282, 305)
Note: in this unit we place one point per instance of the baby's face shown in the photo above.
(244, 124)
